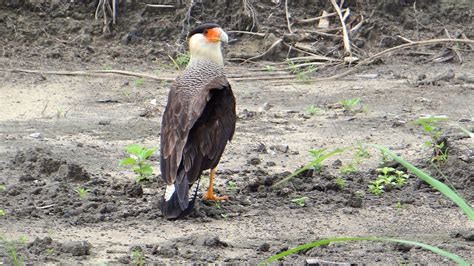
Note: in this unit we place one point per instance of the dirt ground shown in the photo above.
(59, 133)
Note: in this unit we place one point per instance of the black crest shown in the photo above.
(202, 28)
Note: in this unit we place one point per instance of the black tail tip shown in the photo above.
(171, 209)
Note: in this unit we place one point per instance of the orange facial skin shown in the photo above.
(213, 35)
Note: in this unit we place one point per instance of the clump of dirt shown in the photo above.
(45, 249)
(50, 185)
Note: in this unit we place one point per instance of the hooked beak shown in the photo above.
(223, 37)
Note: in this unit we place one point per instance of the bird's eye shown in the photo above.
(205, 31)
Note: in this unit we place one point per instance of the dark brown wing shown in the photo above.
(210, 134)
(196, 128)
(182, 111)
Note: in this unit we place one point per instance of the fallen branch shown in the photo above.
(139, 75)
(247, 32)
(87, 73)
(277, 42)
(310, 20)
(160, 6)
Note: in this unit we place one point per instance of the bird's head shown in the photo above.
(205, 43)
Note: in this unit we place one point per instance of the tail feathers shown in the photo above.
(172, 208)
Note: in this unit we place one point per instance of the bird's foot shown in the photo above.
(214, 197)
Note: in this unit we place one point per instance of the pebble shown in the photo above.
(254, 161)
(264, 247)
(35, 135)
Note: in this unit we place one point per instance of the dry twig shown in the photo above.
(247, 32)
(347, 43)
(160, 6)
(287, 17)
(310, 20)
(277, 42)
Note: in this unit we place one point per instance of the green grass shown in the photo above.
(433, 249)
(12, 250)
(349, 104)
(341, 183)
(181, 60)
(139, 82)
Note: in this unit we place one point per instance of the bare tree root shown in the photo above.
(103, 7)
(250, 11)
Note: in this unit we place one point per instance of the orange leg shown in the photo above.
(210, 194)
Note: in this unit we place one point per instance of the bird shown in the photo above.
(198, 122)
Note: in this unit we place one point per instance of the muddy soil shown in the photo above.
(63, 133)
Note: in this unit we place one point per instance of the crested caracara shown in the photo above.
(198, 121)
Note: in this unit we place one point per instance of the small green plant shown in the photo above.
(398, 205)
(23, 240)
(301, 202)
(348, 169)
(269, 68)
(82, 192)
(430, 125)
(361, 152)
(341, 182)
(389, 177)
(138, 161)
(49, 251)
(349, 104)
(313, 110)
(319, 156)
(107, 67)
(139, 82)
(137, 257)
(301, 71)
(181, 60)
(60, 113)
(231, 185)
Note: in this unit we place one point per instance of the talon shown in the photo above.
(214, 197)
(210, 194)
